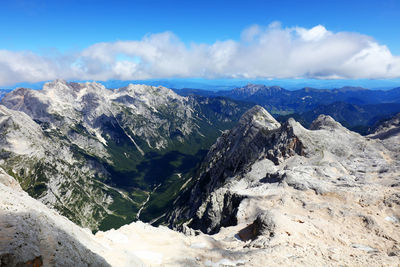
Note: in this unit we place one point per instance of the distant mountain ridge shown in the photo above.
(279, 99)
(356, 107)
(359, 118)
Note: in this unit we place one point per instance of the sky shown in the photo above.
(138, 40)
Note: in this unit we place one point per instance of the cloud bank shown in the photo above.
(262, 52)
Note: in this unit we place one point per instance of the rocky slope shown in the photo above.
(321, 196)
(388, 129)
(99, 156)
(34, 235)
(389, 134)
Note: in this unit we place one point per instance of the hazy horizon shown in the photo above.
(227, 84)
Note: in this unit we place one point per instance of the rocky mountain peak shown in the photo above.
(325, 122)
(61, 88)
(251, 88)
(258, 115)
(148, 94)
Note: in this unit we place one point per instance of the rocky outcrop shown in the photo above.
(33, 235)
(258, 135)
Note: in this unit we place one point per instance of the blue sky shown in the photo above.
(37, 25)
(61, 31)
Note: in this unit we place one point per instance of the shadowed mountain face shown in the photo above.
(99, 156)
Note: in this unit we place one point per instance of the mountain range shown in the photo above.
(357, 108)
(82, 167)
(265, 194)
(105, 157)
(279, 100)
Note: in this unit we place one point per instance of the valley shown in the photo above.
(96, 154)
(107, 157)
(265, 193)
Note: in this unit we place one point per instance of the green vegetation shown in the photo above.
(126, 176)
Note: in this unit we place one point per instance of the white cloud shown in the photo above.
(314, 34)
(262, 52)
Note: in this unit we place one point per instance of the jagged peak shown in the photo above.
(325, 122)
(57, 87)
(258, 115)
(61, 81)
